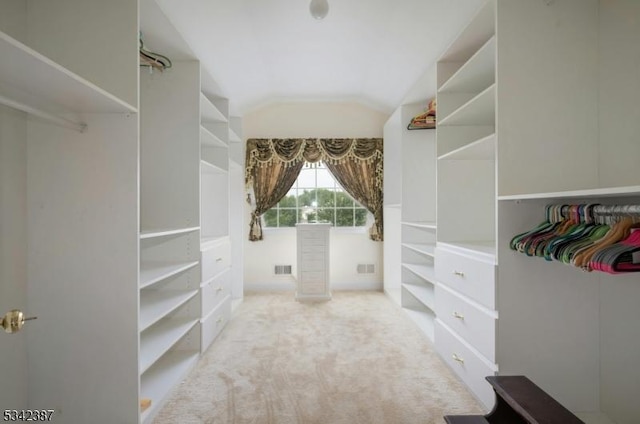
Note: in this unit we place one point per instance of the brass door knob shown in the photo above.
(13, 321)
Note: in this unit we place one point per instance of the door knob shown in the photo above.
(13, 321)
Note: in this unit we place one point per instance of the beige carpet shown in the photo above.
(355, 359)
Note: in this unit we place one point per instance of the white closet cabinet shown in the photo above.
(410, 224)
(170, 224)
(215, 249)
(70, 134)
(313, 253)
(520, 126)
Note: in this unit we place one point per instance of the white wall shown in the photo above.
(13, 251)
(348, 248)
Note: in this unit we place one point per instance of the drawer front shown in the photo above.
(312, 276)
(471, 277)
(312, 257)
(313, 248)
(215, 291)
(469, 367)
(311, 234)
(475, 326)
(214, 259)
(314, 265)
(312, 288)
(213, 324)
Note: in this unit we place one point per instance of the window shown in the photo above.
(316, 196)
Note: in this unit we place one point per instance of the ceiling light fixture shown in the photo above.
(319, 8)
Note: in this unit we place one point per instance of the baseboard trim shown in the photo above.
(278, 286)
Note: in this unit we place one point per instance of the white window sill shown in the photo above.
(337, 230)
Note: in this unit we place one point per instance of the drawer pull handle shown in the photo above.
(219, 289)
(458, 315)
(220, 320)
(457, 358)
(458, 273)
(218, 259)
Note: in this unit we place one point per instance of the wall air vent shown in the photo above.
(282, 270)
(366, 269)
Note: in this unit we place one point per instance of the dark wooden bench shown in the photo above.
(519, 401)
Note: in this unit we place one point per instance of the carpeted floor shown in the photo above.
(355, 359)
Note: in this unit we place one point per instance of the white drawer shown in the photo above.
(215, 290)
(214, 323)
(215, 258)
(469, 276)
(468, 366)
(313, 248)
(312, 276)
(312, 288)
(312, 257)
(311, 234)
(472, 324)
(312, 265)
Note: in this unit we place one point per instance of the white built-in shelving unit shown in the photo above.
(410, 216)
(69, 143)
(169, 218)
(513, 136)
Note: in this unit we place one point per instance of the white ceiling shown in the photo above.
(367, 51)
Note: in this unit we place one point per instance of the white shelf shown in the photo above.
(424, 295)
(152, 272)
(58, 90)
(425, 272)
(476, 74)
(423, 249)
(630, 191)
(480, 110)
(156, 384)
(424, 320)
(393, 205)
(158, 339)
(482, 149)
(209, 112)
(485, 250)
(209, 168)
(147, 234)
(156, 304)
(207, 242)
(419, 224)
(207, 138)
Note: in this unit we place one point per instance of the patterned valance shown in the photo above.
(291, 151)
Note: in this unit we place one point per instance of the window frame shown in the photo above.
(335, 189)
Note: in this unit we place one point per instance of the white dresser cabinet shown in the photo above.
(313, 262)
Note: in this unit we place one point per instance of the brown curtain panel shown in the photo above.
(272, 166)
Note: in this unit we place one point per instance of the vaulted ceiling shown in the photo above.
(367, 51)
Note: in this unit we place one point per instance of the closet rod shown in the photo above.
(616, 210)
(80, 127)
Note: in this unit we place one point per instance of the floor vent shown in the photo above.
(366, 269)
(282, 270)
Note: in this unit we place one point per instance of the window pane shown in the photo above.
(325, 179)
(288, 201)
(271, 218)
(307, 214)
(326, 197)
(344, 218)
(306, 198)
(326, 215)
(287, 217)
(307, 178)
(343, 199)
(361, 217)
